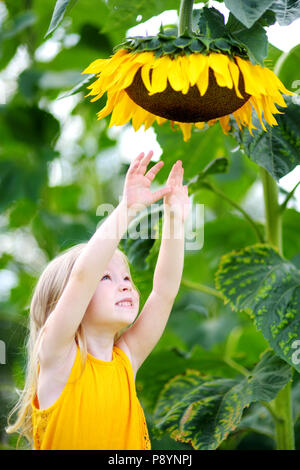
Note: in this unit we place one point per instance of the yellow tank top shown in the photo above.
(100, 411)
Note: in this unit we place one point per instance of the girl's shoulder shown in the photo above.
(123, 346)
(53, 379)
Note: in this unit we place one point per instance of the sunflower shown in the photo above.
(187, 80)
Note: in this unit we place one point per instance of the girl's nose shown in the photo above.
(126, 286)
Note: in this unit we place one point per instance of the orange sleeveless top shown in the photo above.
(99, 411)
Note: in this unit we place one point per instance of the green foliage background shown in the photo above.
(52, 181)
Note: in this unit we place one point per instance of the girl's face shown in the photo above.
(114, 286)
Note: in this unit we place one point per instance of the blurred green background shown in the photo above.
(58, 164)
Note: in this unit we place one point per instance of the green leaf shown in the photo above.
(278, 149)
(123, 14)
(17, 24)
(60, 9)
(168, 47)
(286, 11)
(182, 42)
(211, 23)
(196, 46)
(255, 41)
(258, 279)
(81, 86)
(287, 69)
(248, 12)
(218, 165)
(164, 363)
(203, 411)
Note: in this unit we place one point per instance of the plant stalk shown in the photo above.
(185, 16)
(282, 404)
(273, 222)
(202, 288)
(240, 209)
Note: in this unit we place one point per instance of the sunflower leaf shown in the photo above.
(278, 149)
(204, 411)
(196, 46)
(248, 12)
(61, 8)
(247, 277)
(211, 22)
(286, 11)
(168, 47)
(255, 41)
(182, 42)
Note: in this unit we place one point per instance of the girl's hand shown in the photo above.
(178, 199)
(137, 184)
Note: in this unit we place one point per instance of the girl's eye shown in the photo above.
(127, 278)
(106, 275)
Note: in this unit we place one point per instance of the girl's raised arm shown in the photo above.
(63, 322)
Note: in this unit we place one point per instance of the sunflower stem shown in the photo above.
(282, 404)
(202, 288)
(185, 16)
(239, 208)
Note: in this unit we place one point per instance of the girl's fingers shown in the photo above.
(135, 163)
(154, 170)
(161, 193)
(145, 161)
(178, 173)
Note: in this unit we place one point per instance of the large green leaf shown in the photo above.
(123, 14)
(256, 42)
(287, 69)
(286, 11)
(248, 12)
(60, 9)
(163, 364)
(259, 279)
(10, 32)
(203, 411)
(278, 149)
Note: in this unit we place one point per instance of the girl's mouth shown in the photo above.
(124, 304)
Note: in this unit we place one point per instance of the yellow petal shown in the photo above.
(219, 64)
(139, 116)
(224, 122)
(144, 57)
(186, 128)
(199, 125)
(113, 65)
(122, 111)
(128, 76)
(149, 120)
(256, 103)
(221, 81)
(278, 82)
(267, 113)
(252, 87)
(160, 75)
(145, 73)
(175, 75)
(183, 63)
(202, 82)
(96, 66)
(160, 120)
(196, 66)
(235, 73)
(110, 103)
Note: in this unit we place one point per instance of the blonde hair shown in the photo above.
(47, 292)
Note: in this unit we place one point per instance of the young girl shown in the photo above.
(80, 383)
